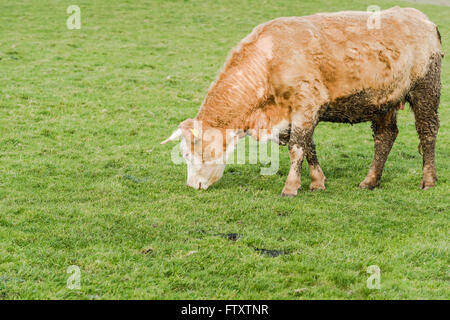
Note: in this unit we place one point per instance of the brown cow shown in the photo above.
(291, 73)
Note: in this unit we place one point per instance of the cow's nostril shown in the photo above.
(199, 185)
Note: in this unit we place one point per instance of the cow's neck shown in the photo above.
(227, 111)
(237, 92)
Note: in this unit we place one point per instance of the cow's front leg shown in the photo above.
(293, 180)
(301, 144)
(315, 171)
(384, 133)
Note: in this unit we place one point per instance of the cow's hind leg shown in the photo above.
(424, 99)
(384, 133)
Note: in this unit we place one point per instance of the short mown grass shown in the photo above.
(84, 181)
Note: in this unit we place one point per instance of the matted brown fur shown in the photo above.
(301, 63)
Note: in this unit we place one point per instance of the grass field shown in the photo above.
(84, 181)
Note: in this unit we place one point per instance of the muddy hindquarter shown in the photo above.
(424, 98)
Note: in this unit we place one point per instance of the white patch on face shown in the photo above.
(200, 174)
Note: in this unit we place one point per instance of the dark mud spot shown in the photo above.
(284, 213)
(147, 250)
(233, 171)
(271, 253)
(229, 236)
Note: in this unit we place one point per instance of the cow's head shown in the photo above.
(205, 150)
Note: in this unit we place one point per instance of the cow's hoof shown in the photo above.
(288, 195)
(369, 185)
(427, 184)
(316, 187)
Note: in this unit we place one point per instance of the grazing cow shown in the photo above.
(291, 73)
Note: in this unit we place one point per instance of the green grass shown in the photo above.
(84, 181)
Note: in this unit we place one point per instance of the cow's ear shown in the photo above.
(191, 130)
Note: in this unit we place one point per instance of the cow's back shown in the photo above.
(342, 63)
(336, 55)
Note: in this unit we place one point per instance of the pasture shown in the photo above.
(84, 181)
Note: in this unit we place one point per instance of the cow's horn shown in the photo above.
(175, 135)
